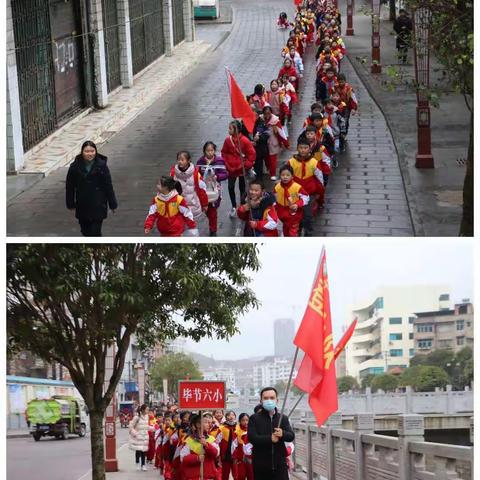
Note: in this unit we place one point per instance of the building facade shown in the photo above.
(66, 56)
(270, 372)
(383, 338)
(283, 335)
(450, 328)
(227, 374)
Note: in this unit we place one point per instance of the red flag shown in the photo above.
(297, 2)
(316, 375)
(344, 340)
(240, 106)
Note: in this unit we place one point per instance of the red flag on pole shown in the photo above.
(344, 340)
(316, 375)
(297, 2)
(240, 106)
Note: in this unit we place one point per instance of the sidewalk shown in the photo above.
(434, 195)
(127, 469)
(18, 433)
(99, 125)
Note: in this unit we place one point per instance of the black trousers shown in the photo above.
(307, 221)
(90, 228)
(139, 455)
(231, 189)
(279, 474)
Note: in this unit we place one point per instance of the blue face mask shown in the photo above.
(269, 405)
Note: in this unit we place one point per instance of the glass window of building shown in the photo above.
(460, 340)
(424, 344)
(426, 327)
(460, 324)
(396, 336)
(396, 352)
(395, 320)
(410, 336)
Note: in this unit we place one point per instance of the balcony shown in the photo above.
(361, 352)
(368, 337)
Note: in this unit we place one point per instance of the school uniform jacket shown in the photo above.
(347, 95)
(190, 459)
(288, 194)
(308, 174)
(265, 215)
(171, 214)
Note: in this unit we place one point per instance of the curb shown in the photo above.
(18, 435)
(416, 225)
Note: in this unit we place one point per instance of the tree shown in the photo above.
(451, 37)
(425, 378)
(385, 382)
(436, 358)
(367, 380)
(347, 383)
(281, 387)
(69, 303)
(173, 367)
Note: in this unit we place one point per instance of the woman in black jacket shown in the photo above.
(89, 189)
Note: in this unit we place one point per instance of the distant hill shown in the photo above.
(205, 362)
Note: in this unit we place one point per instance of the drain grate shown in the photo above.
(461, 162)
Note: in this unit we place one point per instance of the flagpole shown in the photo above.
(288, 387)
(241, 155)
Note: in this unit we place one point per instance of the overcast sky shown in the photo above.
(356, 268)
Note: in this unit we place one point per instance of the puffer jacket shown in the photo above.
(138, 430)
(194, 189)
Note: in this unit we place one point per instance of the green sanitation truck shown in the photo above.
(58, 417)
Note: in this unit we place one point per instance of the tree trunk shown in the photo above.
(393, 13)
(97, 446)
(466, 227)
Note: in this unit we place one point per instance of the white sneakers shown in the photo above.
(233, 213)
(273, 178)
(144, 468)
(139, 467)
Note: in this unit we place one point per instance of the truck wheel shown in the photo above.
(37, 437)
(64, 434)
(83, 430)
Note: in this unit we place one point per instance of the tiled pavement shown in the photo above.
(365, 196)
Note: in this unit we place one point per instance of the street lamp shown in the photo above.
(349, 17)
(376, 67)
(421, 28)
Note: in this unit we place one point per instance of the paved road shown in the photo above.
(365, 197)
(52, 459)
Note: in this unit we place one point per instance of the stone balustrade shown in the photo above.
(333, 453)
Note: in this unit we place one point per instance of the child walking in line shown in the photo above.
(169, 211)
(291, 199)
(308, 174)
(239, 156)
(259, 212)
(194, 189)
(213, 170)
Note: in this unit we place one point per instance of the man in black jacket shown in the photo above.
(403, 28)
(269, 454)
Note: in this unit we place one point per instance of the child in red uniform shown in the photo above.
(239, 155)
(170, 211)
(259, 212)
(308, 174)
(237, 449)
(198, 452)
(225, 439)
(291, 198)
(151, 438)
(289, 69)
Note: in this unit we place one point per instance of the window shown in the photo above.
(425, 344)
(395, 320)
(469, 324)
(445, 343)
(379, 302)
(396, 336)
(425, 327)
(396, 352)
(411, 352)
(462, 309)
(411, 319)
(460, 324)
(460, 340)
(444, 297)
